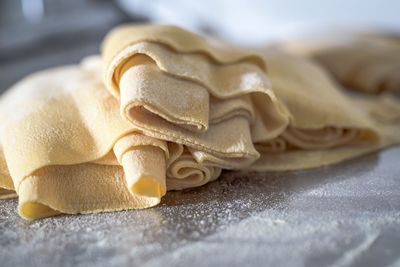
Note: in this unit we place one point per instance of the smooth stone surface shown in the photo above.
(343, 215)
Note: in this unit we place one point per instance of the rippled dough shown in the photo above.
(326, 124)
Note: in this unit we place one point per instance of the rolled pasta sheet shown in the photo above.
(185, 172)
(145, 169)
(141, 159)
(144, 162)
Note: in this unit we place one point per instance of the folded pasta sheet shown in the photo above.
(69, 151)
(175, 85)
(55, 126)
(158, 128)
(326, 124)
(164, 109)
(363, 61)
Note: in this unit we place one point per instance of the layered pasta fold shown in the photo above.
(164, 109)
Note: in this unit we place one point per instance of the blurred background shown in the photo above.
(37, 34)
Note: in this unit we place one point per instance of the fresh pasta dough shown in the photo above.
(165, 131)
(364, 61)
(164, 109)
(6, 184)
(326, 124)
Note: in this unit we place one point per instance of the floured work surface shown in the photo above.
(343, 215)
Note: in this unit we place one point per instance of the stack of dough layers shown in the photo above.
(365, 61)
(164, 109)
(326, 125)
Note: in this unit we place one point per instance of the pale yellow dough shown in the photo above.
(55, 145)
(6, 183)
(164, 109)
(68, 125)
(366, 61)
(326, 124)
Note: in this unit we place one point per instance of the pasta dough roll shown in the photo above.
(186, 172)
(144, 161)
